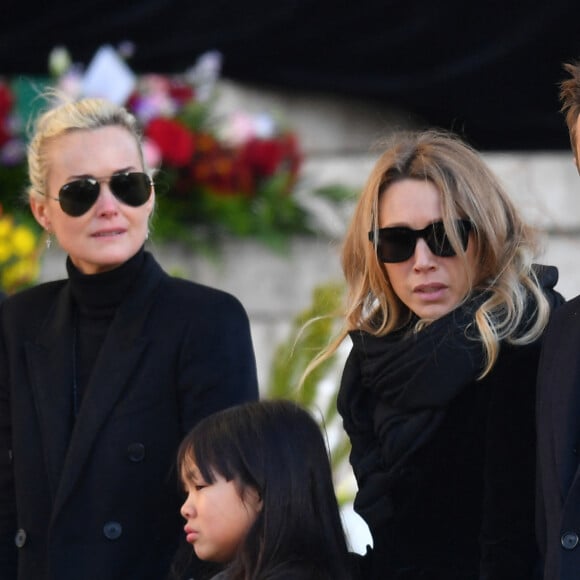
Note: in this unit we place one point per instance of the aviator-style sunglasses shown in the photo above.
(78, 196)
(397, 244)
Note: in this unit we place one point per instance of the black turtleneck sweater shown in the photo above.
(96, 299)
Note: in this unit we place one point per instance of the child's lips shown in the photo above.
(190, 534)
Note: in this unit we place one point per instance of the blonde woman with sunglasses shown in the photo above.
(102, 374)
(445, 313)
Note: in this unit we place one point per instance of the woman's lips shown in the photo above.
(432, 291)
(108, 233)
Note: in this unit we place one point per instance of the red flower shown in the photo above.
(6, 100)
(263, 155)
(4, 133)
(267, 156)
(207, 143)
(175, 142)
(182, 93)
(222, 171)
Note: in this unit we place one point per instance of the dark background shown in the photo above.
(489, 70)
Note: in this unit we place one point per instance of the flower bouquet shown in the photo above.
(217, 175)
(218, 172)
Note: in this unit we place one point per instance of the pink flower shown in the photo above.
(152, 154)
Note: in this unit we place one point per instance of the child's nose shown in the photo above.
(187, 509)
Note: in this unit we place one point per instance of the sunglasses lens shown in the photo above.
(77, 197)
(133, 189)
(398, 244)
(438, 242)
(395, 244)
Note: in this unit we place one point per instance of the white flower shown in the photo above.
(205, 73)
(59, 61)
(265, 125)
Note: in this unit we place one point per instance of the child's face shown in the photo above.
(218, 519)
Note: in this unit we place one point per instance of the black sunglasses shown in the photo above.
(398, 244)
(78, 196)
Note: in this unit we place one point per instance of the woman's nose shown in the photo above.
(423, 257)
(106, 203)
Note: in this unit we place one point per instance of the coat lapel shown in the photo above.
(50, 365)
(120, 355)
(564, 408)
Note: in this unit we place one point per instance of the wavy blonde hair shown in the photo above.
(504, 244)
(64, 118)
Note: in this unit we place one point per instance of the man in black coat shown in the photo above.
(558, 514)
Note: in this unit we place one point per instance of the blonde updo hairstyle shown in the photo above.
(86, 114)
(516, 309)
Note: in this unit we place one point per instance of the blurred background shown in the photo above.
(278, 109)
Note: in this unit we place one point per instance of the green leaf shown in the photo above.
(312, 330)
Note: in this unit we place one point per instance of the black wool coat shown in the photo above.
(462, 507)
(559, 445)
(102, 502)
(459, 502)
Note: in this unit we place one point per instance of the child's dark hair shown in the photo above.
(277, 448)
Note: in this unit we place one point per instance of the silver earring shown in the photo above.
(48, 240)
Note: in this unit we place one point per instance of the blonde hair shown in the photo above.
(64, 118)
(504, 244)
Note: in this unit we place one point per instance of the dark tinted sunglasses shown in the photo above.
(78, 196)
(398, 244)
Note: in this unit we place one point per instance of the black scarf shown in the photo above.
(395, 391)
(408, 378)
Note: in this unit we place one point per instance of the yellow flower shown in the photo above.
(5, 250)
(23, 241)
(19, 258)
(19, 274)
(5, 226)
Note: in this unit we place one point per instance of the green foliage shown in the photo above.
(336, 193)
(312, 330)
(201, 218)
(196, 115)
(13, 179)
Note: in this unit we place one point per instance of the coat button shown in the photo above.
(569, 540)
(136, 452)
(20, 538)
(112, 530)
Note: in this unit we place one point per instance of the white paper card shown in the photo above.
(108, 77)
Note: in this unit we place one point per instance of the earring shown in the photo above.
(48, 240)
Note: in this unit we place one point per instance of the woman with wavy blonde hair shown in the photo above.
(445, 312)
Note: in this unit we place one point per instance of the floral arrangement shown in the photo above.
(217, 172)
(19, 254)
(19, 237)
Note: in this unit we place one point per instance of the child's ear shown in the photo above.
(255, 499)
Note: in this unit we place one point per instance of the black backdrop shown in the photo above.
(488, 70)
